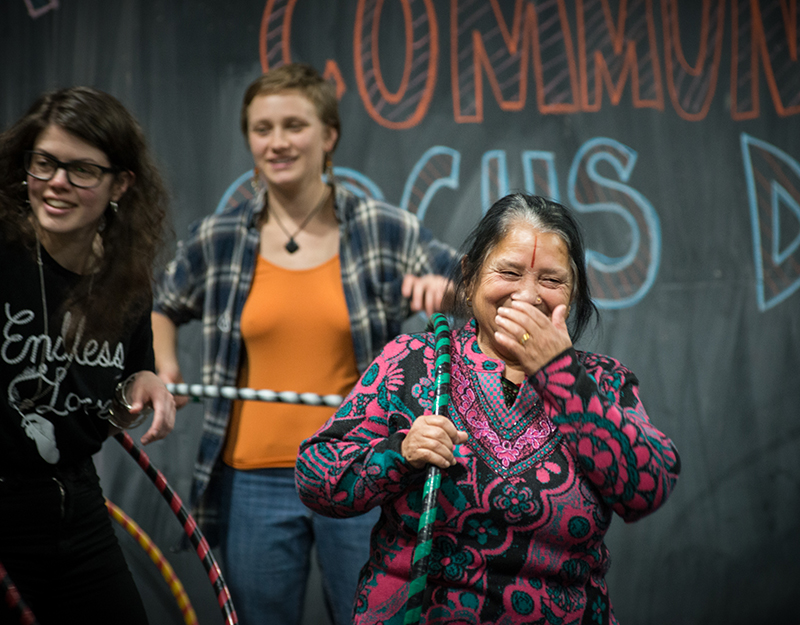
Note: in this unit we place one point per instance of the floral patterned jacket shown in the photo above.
(518, 536)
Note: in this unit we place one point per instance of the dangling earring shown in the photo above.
(469, 302)
(114, 206)
(328, 171)
(255, 181)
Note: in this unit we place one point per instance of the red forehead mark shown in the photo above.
(533, 256)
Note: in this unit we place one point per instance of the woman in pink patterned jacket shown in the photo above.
(542, 444)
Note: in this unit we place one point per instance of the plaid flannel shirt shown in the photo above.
(210, 278)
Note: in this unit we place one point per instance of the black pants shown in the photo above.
(59, 547)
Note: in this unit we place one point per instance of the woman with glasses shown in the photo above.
(82, 209)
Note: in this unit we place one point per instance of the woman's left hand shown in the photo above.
(147, 389)
(425, 292)
(530, 335)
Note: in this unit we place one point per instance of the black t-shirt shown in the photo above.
(54, 403)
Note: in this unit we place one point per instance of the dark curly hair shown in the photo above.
(133, 235)
(544, 215)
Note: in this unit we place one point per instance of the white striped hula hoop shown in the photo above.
(200, 391)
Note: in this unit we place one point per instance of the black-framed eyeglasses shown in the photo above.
(79, 173)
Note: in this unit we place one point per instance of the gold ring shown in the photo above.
(524, 338)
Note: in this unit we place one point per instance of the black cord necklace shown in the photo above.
(41, 367)
(291, 245)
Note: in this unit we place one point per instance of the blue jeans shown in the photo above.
(266, 539)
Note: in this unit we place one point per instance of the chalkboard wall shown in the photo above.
(672, 126)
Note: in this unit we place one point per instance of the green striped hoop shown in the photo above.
(422, 550)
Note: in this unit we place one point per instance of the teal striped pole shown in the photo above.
(422, 550)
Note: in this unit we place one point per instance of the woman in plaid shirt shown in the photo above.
(297, 289)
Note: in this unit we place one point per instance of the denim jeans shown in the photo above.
(59, 547)
(266, 539)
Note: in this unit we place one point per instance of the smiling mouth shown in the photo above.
(58, 204)
(282, 161)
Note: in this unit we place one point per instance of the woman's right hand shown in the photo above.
(431, 440)
(172, 375)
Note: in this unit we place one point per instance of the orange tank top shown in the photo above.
(296, 333)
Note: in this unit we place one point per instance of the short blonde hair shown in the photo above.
(297, 77)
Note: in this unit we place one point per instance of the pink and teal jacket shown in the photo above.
(522, 515)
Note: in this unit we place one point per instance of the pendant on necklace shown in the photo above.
(291, 246)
